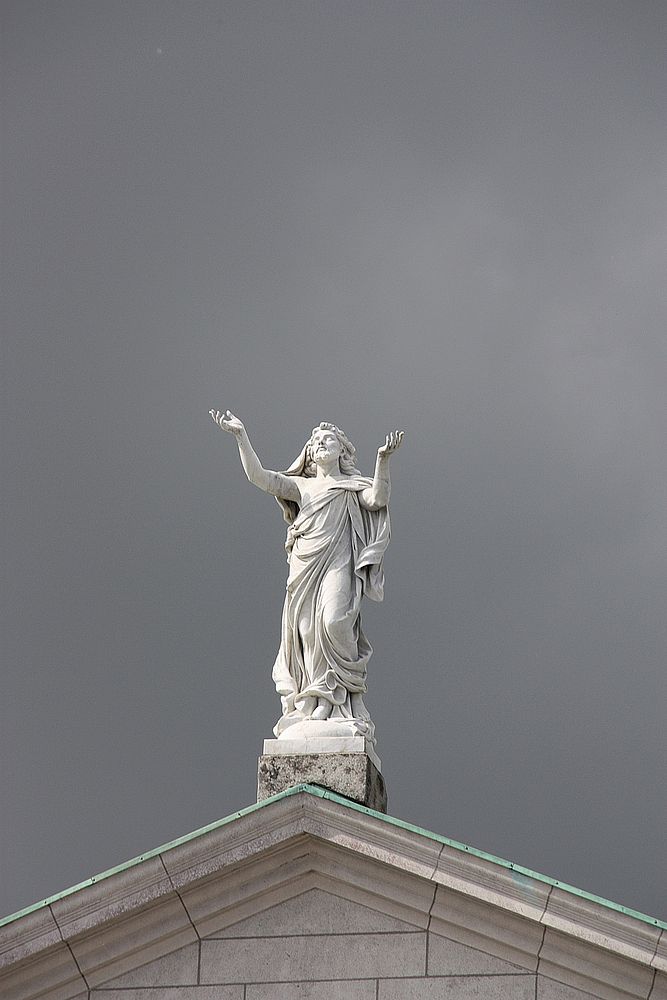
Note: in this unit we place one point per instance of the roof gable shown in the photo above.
(304, 864)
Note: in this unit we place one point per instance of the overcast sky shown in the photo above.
(449, 217)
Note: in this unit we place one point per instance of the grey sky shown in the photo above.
(447, 217)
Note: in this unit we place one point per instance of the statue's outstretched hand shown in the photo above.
(227, 421)
(392, 442)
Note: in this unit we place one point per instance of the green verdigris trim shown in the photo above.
(324, 793)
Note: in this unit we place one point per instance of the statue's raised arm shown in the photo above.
(377, 495)
(271, 482)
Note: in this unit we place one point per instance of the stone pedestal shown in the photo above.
(345, 765)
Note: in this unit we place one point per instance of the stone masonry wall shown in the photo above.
(318, 946)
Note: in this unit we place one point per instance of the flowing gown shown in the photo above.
(335, 549)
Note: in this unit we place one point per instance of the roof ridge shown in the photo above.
(324, 793)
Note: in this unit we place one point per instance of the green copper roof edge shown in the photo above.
(324, 793)
(475, 852)
(144, 857)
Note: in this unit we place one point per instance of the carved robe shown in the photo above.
(335, 550)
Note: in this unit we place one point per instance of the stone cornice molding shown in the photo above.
(210, 880)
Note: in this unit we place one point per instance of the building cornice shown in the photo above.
(216, 876)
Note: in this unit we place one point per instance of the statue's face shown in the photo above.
(325, 447)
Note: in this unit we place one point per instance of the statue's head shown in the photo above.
(305, 464)
(326, 441)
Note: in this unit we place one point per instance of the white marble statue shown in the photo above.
(338, 532)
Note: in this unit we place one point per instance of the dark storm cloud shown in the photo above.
(447, 217)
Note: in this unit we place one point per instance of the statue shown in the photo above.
(338, 532)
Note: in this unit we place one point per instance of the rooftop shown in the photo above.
(322, 793)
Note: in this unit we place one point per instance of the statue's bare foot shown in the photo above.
(323, 711)
(305, 706)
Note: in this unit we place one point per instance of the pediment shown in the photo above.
(315, 910)
(310, 881)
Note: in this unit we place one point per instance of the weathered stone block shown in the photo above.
(172, 993)
(363, 989)
(491, 929)
(353, 775)
(659, 991)
(314, 912)
(591, 969)
(178, 968)
(303, 959)
(53, 975)
(138, 939)
(447, 958)
(549, 989)
(459, 988)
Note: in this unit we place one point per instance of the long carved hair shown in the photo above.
(304, 465)
(347, 457)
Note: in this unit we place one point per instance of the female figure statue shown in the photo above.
(338, 532)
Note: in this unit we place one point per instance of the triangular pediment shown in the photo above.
(310, 888)
(316, 911)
